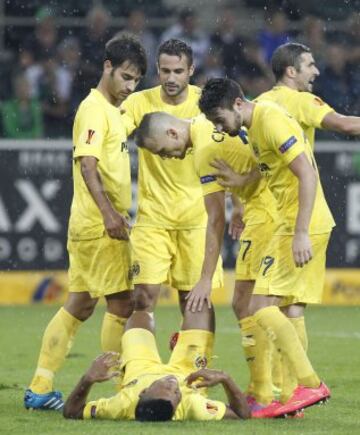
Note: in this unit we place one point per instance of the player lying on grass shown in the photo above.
(170, 137)
(153, 391)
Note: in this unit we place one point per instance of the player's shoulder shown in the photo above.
(91, 103)
(144, 95)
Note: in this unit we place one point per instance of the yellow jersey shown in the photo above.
(193, 404)
(277, 139)
(308, 109)
(208, 144)
(99, 132)
(169, 192)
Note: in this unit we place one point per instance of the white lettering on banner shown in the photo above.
(353, 208)
(27, 249)
(5, 249)
(37, 209)
(352, 251)
(5, 223)
(53, 249)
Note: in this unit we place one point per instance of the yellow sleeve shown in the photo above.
(89, 131)
(202, 408)
(208, 180)
(129, 117)
(113, 408)
(311, 109)
(285, 137)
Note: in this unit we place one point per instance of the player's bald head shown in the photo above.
(152, 126)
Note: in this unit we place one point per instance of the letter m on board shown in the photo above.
(89, 136)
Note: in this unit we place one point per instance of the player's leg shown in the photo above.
(152, 252)
(56, 343)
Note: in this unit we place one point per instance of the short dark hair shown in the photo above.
(176, 47)
(125, 47)
(143, 130)
(287, 55)
(219, 94)
(154, 410)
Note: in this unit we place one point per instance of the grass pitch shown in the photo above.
(334, 337)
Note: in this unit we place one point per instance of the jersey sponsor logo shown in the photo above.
(124, 147)
(200, 362)
(211, 408)
(263, 167)
(89, 136)
(207, 179)
(288, 144)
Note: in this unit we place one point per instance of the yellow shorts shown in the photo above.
(171, 256)
(99, 266)
(193, 351)
(252, 244)
(278, 275)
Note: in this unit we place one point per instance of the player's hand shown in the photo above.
(206, 378)
(302, 249)
(116, 225)
(102, 368)
(225, 174)
(236, 224)
(199, 295)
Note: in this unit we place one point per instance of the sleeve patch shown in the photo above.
(318, 101)
(211, 408)
(207, 179)
(288, 144)
(93, 411)
(90, 135)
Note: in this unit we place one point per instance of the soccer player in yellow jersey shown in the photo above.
(295, 257)
(169, 233)
(153, 391)
(165, 135)
(98, 239)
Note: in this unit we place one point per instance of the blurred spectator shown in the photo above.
(314, 37)
(137, 25)
(228, 41)
(187, 29)
(213, 67)
(275, 32)
(22, 115)
(255, 83)
(43, 42)
(333, 83)
(92, 40)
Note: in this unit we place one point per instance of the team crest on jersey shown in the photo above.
(211, 408)
(134, 270)
(90, 135)
(318, 101)
(217, 136)
(200, 362)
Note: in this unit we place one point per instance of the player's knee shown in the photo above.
(84, 311)
(241, 309)
(143, 299)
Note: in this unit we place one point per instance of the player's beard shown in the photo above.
(173, 91)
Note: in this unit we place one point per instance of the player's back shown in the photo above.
(308, 109)
(169, 192)
(208, 145)
(99, 132)
(277, 139)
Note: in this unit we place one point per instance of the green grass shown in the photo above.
(334, 350)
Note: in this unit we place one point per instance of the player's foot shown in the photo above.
(173, 340)
(263, 411)
(50, 401)
(303, 397)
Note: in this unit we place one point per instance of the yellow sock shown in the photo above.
(111, 333)
(111, 338)
(54, 348)
(256, 345)
(290, 381)
(281, 330)
(276, 367)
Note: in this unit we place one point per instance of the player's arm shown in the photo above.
(238, 406)
(227, 177)
(116, 224)
(236, 224)
(98, 372)
(349, 125)
(215, 208)
(307, 178)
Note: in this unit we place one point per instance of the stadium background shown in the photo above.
(50, 55)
